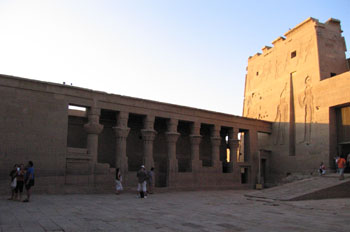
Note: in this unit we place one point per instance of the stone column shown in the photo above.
(93, 129)
(233, 143)
(148, 136)
(215, 148)
(253, 155)
(121, 134)
(195, 139)
(171, 136)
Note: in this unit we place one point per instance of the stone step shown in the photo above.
(298, 189)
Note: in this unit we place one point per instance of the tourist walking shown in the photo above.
(20, 182)
(142, 177)
(336, 163)
(150, 175)
(29, 180)
(341, 166)
(322, 169)
(118, 181)
(13, 184)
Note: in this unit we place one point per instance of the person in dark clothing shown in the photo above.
(142, 178)
(29, 180)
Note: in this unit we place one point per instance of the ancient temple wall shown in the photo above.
(331, 49)
(78, 151)
(290, 84)
(76, 133)
(33, 127)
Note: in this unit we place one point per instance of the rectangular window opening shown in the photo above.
(77, 111)
(293, 54)
(79, 108)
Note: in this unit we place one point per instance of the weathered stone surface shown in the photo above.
(177, 211)
(299, 88)
(73, 147)
(300, 84)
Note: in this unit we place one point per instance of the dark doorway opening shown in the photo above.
(244, 176)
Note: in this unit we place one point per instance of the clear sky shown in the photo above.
(186, 52)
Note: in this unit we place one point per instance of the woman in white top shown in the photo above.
(118, 181)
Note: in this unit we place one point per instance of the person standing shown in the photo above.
(29, 180)
(142, 177)
(13, 176)
(118, 182)
(20, 182)
(150, 175)
(341, 167)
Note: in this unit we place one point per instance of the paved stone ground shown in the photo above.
(175, 211)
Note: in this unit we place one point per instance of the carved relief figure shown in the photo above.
(306, 102)
(281, 117)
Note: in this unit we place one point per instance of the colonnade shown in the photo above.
(94, 128)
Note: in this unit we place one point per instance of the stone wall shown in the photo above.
(33, 127)
(78, 150)
(295, 84)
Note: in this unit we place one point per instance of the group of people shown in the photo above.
(21, 177)
(145, 181)
(340, 163)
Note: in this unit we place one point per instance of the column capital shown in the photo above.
(93, 128)
(121, 132)
(148, 135)
(195, 139)
(172, 137)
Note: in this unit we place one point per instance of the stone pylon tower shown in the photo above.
(285, 85)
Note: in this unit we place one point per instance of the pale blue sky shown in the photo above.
(186, 52)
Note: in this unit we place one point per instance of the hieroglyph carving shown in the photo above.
(306, 101)
(281, 117)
